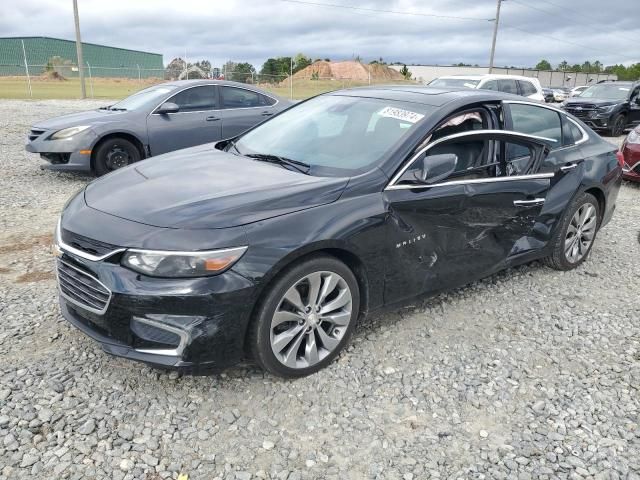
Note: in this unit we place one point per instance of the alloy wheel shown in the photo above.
(117, 157)
(580, 233)
(311, 319)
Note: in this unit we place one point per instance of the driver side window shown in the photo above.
(470, 159)
(196, 99)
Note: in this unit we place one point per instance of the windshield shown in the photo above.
(151, 95)
(454, 82)
(613, 92)
(336, 135)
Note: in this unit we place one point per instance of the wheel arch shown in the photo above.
(600, 197)
(337, 250)
(117, 134)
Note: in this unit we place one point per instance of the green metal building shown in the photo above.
(46, 53)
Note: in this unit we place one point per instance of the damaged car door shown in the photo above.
(448, 226)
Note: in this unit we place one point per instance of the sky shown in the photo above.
(254, 30)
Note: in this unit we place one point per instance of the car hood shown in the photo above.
(80, 118)
(202, 187)
(600, 102)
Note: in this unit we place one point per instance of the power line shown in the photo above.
(379, 10)
(561, 40)
(563, 16)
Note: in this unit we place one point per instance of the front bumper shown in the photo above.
(62, 154)
(174, 323)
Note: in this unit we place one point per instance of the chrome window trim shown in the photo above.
(392, 184)
(535, 176)
(79, 253)
(75, 302)
(585, 135)
(153, 110)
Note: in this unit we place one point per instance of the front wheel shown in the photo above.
(576, 234)
(114, 153)
(617, 125)
(306, 318)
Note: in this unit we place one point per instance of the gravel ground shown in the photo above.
(531, 373)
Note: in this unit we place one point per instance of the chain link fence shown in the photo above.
(63, 81)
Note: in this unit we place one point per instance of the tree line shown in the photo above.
(632, 72)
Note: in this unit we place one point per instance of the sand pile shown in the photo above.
(347, 70)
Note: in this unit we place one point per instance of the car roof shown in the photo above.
(487, 75)
(433, 96)
(205, 81)
(190, 83)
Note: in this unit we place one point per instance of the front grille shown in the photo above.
(586, 110)
(82, 289)
(87, 245)
(35, 133)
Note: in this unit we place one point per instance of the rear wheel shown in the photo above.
(306, 318)
(617, 125)
(576, 234)
(114, 153)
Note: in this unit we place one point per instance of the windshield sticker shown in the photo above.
(401, 114)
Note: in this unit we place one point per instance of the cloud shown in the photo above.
(253, 30)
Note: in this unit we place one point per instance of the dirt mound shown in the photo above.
(347, 70)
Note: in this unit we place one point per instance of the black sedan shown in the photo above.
(273, 244)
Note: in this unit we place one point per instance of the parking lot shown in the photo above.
(531, 373)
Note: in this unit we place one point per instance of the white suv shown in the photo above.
(525, 86)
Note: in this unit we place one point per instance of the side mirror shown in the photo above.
(637, 100)
(168, 107)
(438, 167)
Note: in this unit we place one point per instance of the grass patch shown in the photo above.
(116, 88)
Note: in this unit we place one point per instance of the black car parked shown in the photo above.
(274, 243)
(609, 106)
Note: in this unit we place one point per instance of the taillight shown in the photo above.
(620, 158)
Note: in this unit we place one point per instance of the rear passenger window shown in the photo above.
(539, 121)
(526, 88)
(268, 101)
(240, 98)
(572, 133)
(508, 86)
(490, 85)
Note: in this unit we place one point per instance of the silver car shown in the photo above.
(153, 121)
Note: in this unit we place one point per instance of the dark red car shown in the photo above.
(631, 154)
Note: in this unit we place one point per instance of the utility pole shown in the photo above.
(495, 35)
(79, 49)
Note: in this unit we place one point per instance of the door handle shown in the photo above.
(267, 114)
(212, 119)
(568, 166)
(536, 202)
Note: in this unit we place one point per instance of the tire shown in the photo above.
(114, 153)
(283, 342)
(617, 125)
(561, 257)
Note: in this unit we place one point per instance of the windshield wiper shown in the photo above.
(265, 157)
(112, 108)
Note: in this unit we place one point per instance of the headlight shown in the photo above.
(68, 132)
(633, 137)
(181, 264)
(606, 109)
